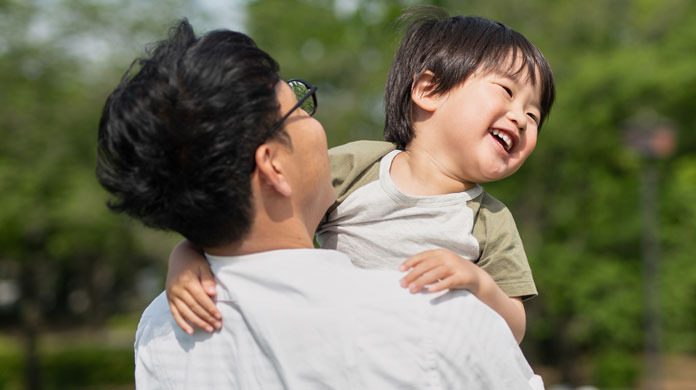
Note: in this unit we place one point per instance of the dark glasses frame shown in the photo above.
(311, 92)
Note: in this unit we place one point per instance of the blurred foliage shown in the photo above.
(82, 367)
(73, 258)
(74, 368)
(64, 258)
(343, 47)
(576, 200)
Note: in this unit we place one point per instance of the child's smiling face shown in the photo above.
(487, 126)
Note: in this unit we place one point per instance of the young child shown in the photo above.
(465, 99)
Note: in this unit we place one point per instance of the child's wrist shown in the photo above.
(484, 284)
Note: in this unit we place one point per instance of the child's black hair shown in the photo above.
(454, 48)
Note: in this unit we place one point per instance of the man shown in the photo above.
(207, 140)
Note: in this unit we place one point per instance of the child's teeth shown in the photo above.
(505, 138)
(507, 142)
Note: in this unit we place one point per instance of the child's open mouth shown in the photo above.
(503, 138)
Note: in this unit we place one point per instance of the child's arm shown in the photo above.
(441, 269)
(190, 286)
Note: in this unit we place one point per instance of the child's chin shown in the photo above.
(498, 175)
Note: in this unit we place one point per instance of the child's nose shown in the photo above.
(519, 118)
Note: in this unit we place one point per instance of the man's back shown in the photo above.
(307, 318)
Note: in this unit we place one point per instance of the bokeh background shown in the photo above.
(606, 206)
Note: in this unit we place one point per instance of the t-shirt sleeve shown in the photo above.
(353, 165)
(502, 252)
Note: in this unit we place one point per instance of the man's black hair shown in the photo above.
(454, 48)
(177, 139)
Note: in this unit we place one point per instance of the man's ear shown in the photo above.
(422, 92)
(271, 169)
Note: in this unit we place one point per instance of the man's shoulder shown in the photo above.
(155, 347)
(155, 320)
(157, 308)
(460, 303)
(466, 331)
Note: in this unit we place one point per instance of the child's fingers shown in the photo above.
(180, 320)
(207, 281)
(423, 266)
(205, 306)
(430, 276)
(211, 310)
(190, 316)
(415, 260)
(201, 305)
(441, 285)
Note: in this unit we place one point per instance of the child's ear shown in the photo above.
(422, 92)
(271, 169)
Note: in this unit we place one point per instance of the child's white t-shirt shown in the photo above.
(378, 226)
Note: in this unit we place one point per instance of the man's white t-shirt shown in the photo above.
(309, 319)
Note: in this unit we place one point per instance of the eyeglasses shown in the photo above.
(303, 91)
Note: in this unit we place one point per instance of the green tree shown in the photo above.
(73, 262)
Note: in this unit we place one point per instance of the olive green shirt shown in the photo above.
(379, 227)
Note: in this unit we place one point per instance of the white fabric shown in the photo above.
(308, 319)
(379, 227)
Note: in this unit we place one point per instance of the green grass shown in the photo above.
(84, 358)
(72, 368)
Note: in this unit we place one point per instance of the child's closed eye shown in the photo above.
(507, 90)
(534, 117)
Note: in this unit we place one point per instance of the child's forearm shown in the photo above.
(190, 286)
(184, 256)
(510, 308)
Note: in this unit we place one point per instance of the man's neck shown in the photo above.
(285, 235)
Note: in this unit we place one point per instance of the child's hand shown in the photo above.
(440, 269)
(190, 286)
